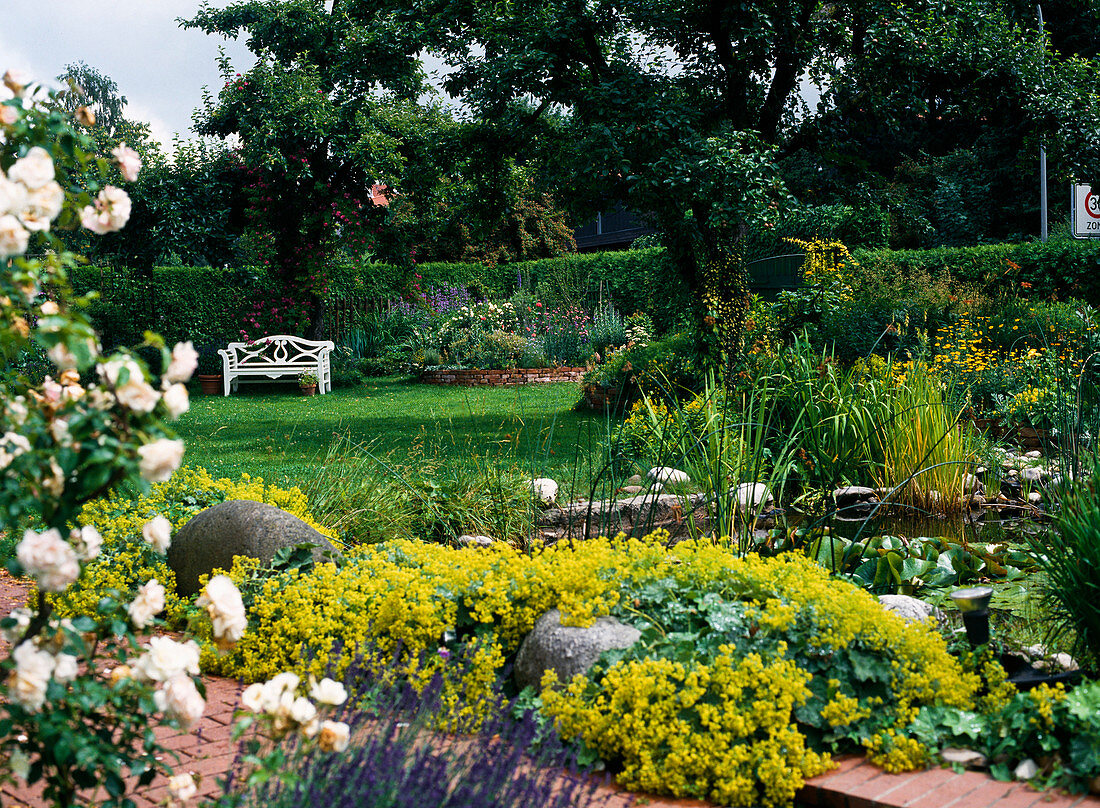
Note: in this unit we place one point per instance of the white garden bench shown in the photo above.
(275, 357)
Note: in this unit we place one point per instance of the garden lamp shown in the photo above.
(973, 603)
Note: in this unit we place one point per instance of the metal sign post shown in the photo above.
(1085, 204)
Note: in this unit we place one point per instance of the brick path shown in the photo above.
(208, 751)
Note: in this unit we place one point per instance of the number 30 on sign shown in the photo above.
(1086, 211)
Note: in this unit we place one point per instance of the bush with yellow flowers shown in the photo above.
(126, 560)
(748, 673)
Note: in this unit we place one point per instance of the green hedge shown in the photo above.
(205, 304)
(1066, 268)
(201, 304)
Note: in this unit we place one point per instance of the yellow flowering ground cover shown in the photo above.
(749, 670)
(127, 561)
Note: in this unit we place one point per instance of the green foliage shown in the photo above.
(200, 304)
(1069, 556)
(1065, 268)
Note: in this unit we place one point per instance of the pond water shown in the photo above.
(987, 525)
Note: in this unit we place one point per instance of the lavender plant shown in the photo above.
(395, 759)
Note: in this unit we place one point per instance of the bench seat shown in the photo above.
(277, 357)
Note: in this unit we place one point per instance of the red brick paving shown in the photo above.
(208, 751)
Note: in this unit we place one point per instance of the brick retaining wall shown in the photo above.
(500, 378)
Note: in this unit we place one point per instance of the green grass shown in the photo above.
(273, 432)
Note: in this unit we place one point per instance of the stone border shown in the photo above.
(473, 377)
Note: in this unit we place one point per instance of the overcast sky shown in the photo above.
(159, 67)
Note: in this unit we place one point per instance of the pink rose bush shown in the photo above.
(94, 424)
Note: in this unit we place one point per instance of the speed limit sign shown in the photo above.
(1086, 212)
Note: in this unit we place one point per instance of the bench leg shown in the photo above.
(226, 383)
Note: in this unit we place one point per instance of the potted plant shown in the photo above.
(307, 383)
(209, 371)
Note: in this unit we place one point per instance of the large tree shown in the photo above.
(681, 106)
(303, 117)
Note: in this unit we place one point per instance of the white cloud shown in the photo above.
(159, 67)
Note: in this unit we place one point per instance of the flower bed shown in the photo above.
(474, 377)
(682, 711)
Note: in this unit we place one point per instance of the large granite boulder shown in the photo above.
(237, 527)
(568, 650)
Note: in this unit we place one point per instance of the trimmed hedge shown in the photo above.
(201, 304)
(1066, 268)
(207, 304)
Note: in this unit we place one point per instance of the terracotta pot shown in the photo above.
(308, 390)
(211, 384)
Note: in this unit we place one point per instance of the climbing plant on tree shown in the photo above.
(303, 116)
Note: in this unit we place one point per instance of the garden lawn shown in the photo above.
(271, 431)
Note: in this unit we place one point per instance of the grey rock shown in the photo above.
(977, 501)
(568, 650)
(545, 491)
(964, 757)
(1035, 498)
(1034, 474)
(972, 485)
(911, 609)
(1033, 454)
(631, 490)
(666, 475)
(475, 541)
(237, 527)
(750, 496)
(1026, 770)
(635, 479)
(853, 495)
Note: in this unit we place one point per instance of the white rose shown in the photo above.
(165, 659)
(180, 699)
(34, 169)
(158, 532)
(182, 787)
(66, 667)
(328, 691)
(59, 430)
(54, 483)
(253, 698)
(159, 459)
(13, 236)
(129, 162)
(61, 356)
(33, 669)
(112, 373)
(185, 359)
(13, 196)
(41, 206)
(176, 401)
(22, 617)
(334, 736)
(86, 542)
(137, 395)
(8, 115)
(302, 711)
(147, 605)
(12, 444)
(49, 559)
(223, 604)
(278, 692)
(17, 410)
(110, 212)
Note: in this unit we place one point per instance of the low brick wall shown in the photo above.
(501, 378)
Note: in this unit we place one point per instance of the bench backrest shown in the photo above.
(280, 349)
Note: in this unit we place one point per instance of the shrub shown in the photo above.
(830, 663)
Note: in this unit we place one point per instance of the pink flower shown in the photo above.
(129, 162)
(110, 213)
